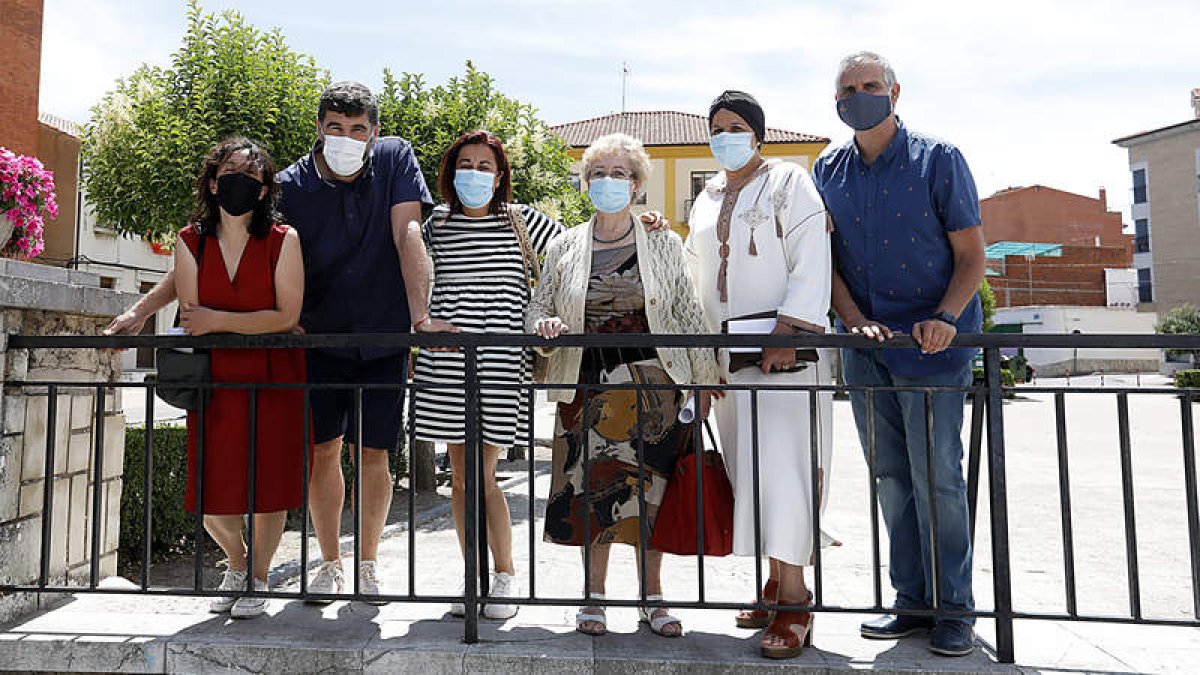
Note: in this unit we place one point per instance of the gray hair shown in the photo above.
(620, 145)
(866, 58)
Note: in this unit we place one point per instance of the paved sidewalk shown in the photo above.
(130, 633)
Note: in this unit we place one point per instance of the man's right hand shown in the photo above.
(870, 329)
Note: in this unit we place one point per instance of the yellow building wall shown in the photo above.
(669, 187)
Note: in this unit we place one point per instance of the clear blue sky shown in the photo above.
(1032, 91)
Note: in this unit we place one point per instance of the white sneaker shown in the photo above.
(503, 586)
(232, 580)
(247, 607)
(327, 581)
(368, 583)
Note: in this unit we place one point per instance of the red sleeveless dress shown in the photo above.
(280, 437)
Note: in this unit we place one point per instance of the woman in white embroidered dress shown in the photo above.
(759, 244)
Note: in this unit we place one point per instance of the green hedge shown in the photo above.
(1187, 379)
(174, 528)
(1006, 376)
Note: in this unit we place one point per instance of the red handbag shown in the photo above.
(676, 526)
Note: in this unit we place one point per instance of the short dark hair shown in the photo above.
(207, 211)
(348, 98)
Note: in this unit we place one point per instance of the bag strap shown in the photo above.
(516, 218)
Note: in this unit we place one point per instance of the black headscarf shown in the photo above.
(745, 106)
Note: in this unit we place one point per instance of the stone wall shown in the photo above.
(41, 300)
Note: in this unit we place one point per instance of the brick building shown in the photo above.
(1051, 247)
(20, 74)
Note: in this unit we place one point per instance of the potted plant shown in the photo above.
(26, 199)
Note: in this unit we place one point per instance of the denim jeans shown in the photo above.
(902, 478)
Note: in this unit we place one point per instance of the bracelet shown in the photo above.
(422, 322)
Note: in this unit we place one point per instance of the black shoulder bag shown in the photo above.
(178, 371)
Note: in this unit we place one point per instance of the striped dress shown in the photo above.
(480, 287)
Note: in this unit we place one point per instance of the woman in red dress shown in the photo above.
(238, 270)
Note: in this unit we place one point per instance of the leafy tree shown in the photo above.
(1183, 320)
(987, 300)
(432, 118)
(148, 136)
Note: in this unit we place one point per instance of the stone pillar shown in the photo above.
(43, 300)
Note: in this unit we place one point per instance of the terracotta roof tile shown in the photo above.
(660, 127)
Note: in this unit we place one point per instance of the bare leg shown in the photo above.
(792, 591)
(326, 494)
(227, 532)
(268, 530)
(499, 521)
(376, 499)
(596, 578)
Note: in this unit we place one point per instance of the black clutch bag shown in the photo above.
(178, 373)
(753, 357)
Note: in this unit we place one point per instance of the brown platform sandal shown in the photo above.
(796, 630)
(760, 618)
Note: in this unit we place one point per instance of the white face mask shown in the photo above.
(344, 155)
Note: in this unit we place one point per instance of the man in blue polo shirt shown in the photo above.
(909, 256)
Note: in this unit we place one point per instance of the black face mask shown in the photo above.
(237, 193)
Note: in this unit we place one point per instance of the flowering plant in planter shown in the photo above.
(26, 199)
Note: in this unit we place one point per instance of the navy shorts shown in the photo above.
(333, 410)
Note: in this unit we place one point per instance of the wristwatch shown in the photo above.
(946, 317)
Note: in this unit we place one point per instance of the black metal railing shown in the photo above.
(987, 424)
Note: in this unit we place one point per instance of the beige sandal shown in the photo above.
(658, 623)
(584, 616)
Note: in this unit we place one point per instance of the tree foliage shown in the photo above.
(147, 137)
(433, 117)
(1183, 320)
(987, 300)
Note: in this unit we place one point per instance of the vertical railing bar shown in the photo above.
(587, 495)
(641, 491)
(470, 461)
(306, 421)
(48, 482)
(97, 488)
(978, 402)
(532, 454)
(998, 507)
(251, 489)
(814, 469)
(754, 469)
(1131, 553)
(148, 489)
(1064, 501)
(1189, 479)
(485, 564)
(935, 562)
(698, 452)
(202, 419)
(872, 477)
(358, 488)
(411, 399)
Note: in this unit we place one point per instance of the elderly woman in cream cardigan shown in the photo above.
(610, 276)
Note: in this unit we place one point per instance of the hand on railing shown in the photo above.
(432, 325)
(870, 329)
(550, 327)
(933, 335)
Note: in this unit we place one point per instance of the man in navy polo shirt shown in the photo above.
(909, 256)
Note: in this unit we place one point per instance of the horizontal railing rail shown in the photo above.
(986, 425)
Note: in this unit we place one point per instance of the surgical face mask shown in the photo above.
(474, 188)
(344, 155)
(861, 111)
(732, 149)
(609, 195)
(237, 193)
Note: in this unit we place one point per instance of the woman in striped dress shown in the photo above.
(481, 286)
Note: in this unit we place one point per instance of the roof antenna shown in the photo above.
(624, 82)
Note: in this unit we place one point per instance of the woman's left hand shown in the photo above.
(776, 359)
(654, 221)
(707, 396)
(198, 320)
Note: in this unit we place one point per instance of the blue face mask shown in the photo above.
(731, 149)
(474, 188)
(609, 195)
(862, 111)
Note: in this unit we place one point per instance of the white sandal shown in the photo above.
(583, 616)
(658, 623)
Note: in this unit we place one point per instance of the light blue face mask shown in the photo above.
(609, 195)
(731, 149)
(474, 188)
